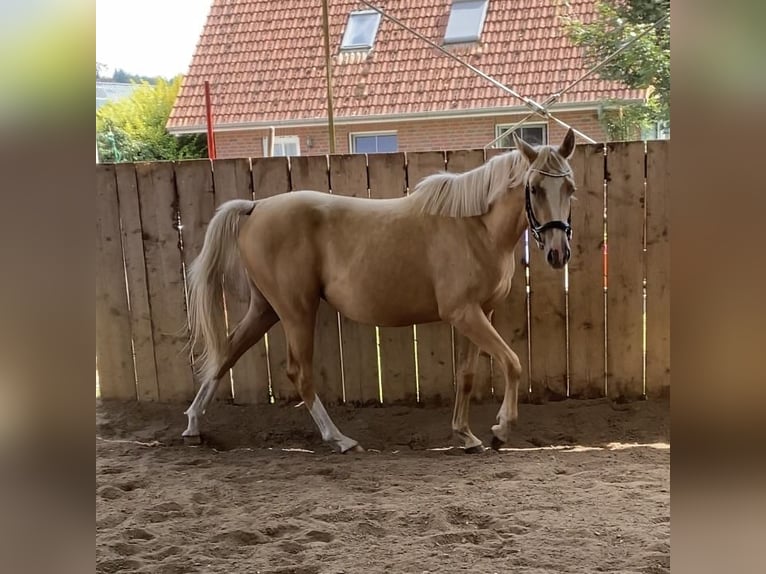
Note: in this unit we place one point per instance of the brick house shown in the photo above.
(392, 92)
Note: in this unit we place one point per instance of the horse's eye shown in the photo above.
(534, 190)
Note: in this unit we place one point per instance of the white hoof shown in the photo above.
(471, 443)
(192, 440)
(346, 444)
(500, 432)
(192, 428)
(191, 435)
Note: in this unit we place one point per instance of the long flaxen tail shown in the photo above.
(219, 258)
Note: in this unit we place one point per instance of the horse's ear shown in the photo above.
(528, 150)
(566, 149)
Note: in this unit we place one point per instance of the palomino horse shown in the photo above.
(445, 252)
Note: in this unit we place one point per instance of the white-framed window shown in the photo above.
(361, 28)
(283, 146)
(535, 134)
(466, 19)
(374, 142)
(657, 131)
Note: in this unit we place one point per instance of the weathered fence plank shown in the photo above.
(250, 375)
(113, 335)
(548, 324)
(311, 172)
(138, 242)
(511, 317)
(135, 270)
(271, 176)
(348, 176)
(459, 162)
(159, 213)
(625, 227)
(388, 180)
(586, 276)
(196, 205)
(658, 269)
(511, 322)
(434, 340)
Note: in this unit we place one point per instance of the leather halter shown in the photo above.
(534, 224)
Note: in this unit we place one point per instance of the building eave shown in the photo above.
(382, 119)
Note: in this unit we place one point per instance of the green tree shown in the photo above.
(645, 64)
(133, 129)
(124, 77)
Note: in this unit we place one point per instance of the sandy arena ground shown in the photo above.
(242, 504)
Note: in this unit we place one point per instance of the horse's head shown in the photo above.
(549, 189)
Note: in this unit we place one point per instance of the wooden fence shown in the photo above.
(578, 334)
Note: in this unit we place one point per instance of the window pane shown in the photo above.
(291, 148)
(387, 143)
(360, 30)
(364, 144)
(506, 140)
(279, 150)
(372, 143)
(535, 135)
(465, 21)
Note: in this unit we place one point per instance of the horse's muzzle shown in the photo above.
(557, 258)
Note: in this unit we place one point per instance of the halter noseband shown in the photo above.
(534, 224)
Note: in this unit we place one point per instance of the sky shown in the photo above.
(149, 37)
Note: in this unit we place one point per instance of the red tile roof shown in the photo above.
(265, 62)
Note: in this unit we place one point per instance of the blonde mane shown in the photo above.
(470, 193)
(473, 192)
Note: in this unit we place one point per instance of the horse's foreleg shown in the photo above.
(246, 334)
(472, 322)
(467, 354)
(300, 349)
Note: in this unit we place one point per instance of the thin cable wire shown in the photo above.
(555, 96)
(530, 103)
(510, 130)
(552, 99)
(550, 116)
(533, 105)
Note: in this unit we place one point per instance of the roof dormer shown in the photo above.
(466, 19)
(361, 29)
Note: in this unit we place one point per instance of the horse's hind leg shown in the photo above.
(467, 355)
(259, 318)
(299, 333)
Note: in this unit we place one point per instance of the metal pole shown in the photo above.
(209, 120)
(328, 70)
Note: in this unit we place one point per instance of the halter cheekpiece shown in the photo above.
(534, 224)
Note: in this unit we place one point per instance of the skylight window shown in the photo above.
(360, 30)
(466, 20)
